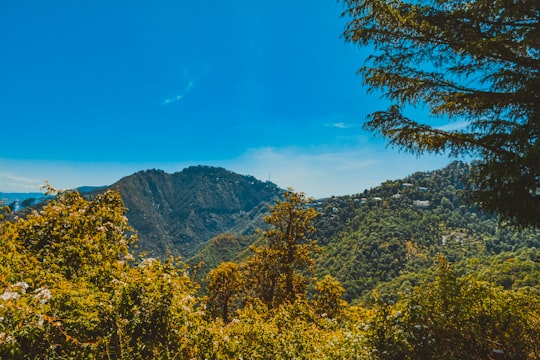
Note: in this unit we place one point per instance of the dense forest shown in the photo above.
(393, 232)
(387, 237)
(403, 284)
(175, 213)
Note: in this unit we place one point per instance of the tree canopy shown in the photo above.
(70, 288)
(473, 62)
(277, 269)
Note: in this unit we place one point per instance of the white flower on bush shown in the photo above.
(22, 286)
(41, 322)
(14, 291)
(147, 262)
(42, 294)
(10, 295)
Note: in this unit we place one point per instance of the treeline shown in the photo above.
(71, 288)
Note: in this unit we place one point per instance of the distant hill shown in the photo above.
(87, 189)
(19, 201)
(178, 213)
(388, 235)
(8, 198)
(223, 247)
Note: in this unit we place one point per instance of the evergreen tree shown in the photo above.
(475, 62)
(277, 270)
(291, 222)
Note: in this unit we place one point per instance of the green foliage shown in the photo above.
(224, 283)
(277, 268)
(221, 248)
(264, 281)
(78, 238)
(327, 300)
(474, 62)
(457, 318)
(286, 332)
(70, 289)
(383, 239)
(512, 270)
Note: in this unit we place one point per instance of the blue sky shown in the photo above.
(91, 91)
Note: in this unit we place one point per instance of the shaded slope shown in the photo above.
(177, 213)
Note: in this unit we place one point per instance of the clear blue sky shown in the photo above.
(91, 91)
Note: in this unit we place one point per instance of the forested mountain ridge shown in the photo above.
(381, 238)
(395, 231)
(177, 213)
(387, 237)
(73, 286)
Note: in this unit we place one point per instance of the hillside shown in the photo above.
(177, 213)
(393, 232)
(388, 237)
(70, 288)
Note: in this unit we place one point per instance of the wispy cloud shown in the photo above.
(172, 100)
(339, 125)
(10, 182)
(31, 175)
(317, 171)
(322, 173)
(180, 96)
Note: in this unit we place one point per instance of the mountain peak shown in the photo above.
(177, 213)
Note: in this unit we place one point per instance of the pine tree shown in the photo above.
(474, 62)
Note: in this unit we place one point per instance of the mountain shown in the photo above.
(385, 237)
(176, 214)
(389, 235)
(19, 201)
(87, 189)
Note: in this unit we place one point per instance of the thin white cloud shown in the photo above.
(10, 182)
(172, 100)
(31, 175)
(180, 96)
(320, 173)
(339, 125)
